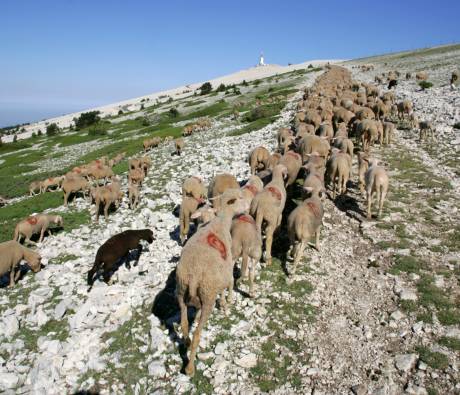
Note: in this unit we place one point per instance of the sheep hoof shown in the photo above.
(190, 369)
(187, 342)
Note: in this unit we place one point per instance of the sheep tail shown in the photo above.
(194, 300)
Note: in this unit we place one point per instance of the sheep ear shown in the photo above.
(196, 214)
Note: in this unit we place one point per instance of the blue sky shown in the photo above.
(67, 55)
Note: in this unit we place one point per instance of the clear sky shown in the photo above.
(58, 56)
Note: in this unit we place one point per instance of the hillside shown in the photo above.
(374, 311)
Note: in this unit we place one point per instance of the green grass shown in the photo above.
(194, 103)
(435, 360)
(450, 342)
(406, 264)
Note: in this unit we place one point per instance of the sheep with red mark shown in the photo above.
(205, 270)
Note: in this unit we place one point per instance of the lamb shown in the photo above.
(219, 184)
(179, 145)
(304, 222)
(363, 165)
(74, 185)
(388, 132)
(338, 171)
(283, 133)
(268, 206)
(11, 255)
(194, 187)
(52, 182)
(35, 224)
(376, 182)
(258, 159)
(34, 186)
(426, 130)
(188, 207)
(247, 245)
(116, 248)
(404, 107)
(108, 195)
(133, 196)
(205, 270)
(421, 76)
(136, 176)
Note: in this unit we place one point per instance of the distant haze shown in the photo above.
(60, 56)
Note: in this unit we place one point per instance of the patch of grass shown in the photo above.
(425, 317)
(435, 360)
(430, 295)
(450, 342)
(406, 264)
(409, 306)
(432, 391)
(449, 316)
(194, 103)
(256, 125)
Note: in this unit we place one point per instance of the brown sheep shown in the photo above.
(426, 130)
(35, 224)
(11, 255)
(304, 222)
(404, 107)
(258, 159)
(205, 270)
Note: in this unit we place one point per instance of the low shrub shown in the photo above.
(425, 85)
(52, 129)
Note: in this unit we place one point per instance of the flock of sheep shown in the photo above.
(317, 151)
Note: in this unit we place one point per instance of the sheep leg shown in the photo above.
(383, 194)
(268, 243)
(244, 265)
(18, 274)
(317, 237)
(42, 234)
(106, 210)
(205, 313)
(230, 290)
(369, 204)
(12, 277)
(184, 319)
(300, 248)
(97, 210)
(223, 303)
(28, 241)
(251, 278)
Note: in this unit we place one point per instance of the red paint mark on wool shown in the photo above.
(315, 210)
(274, 192)
(246, 218)
(217, 244)
(32, 220)
(251, 188)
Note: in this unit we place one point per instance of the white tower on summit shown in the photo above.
(261, 60)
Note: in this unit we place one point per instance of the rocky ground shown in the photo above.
(375, 311)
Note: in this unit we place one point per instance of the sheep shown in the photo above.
(108, 195)
(344, 144)
(194, 187)
(426, 130)
(404, 107)
(52, 182)
(283, 133)
(274, 160)
(151, 143)
(219, 184)
(74, 185)
(367, 132)
(413, 121)
(247, 245)
(392, 84)
(312, 117)
(116, 248)
(252, 187)
(100, 172)
(304, 129)
(314, 178)
(268, 206)
(179, 145)
(408, 76)
(205, 270)
(304, 222)
(388, 132)
(133, 196)
(134, 163)
(146, 163)
(381, 110)
(376, 179)
(35, 224)
(11, 255)
(136, 176)
(34, 186)
(314, 143)
(421, 76)
(258, 159)
(188, 207)
(338, 171)
(326, 130)
(454, 78)
(293, 162)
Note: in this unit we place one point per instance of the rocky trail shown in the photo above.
(364, 315)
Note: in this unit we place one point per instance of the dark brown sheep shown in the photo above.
(116, 248)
